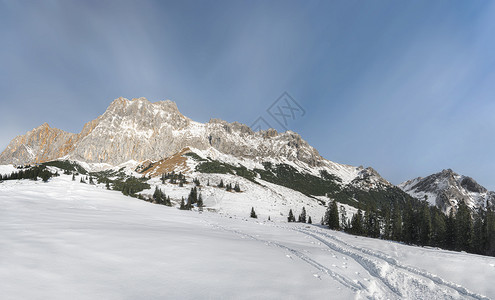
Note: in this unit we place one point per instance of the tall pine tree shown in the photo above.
(302, 216)
(357, 227)
(396, 223)
(291, 217)
(464, 227)
(425, 224)
(333, 216)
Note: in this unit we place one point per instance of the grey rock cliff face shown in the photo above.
(139, 130)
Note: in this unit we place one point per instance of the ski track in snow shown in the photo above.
(381, 266)
(396, 280)
(338, 277)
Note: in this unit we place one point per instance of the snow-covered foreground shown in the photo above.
(67, 240)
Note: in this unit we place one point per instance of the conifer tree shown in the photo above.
(372, 224)
(490, 232)
(158, 196)
(253, 213)
(302, 216)
(396, 223)
(125, 190)
(439, 227)
(326, 216)
(309, 220)
(73, 177)
(409, 224)
(343, 218)
(357, 227)
(333, 216)
(237, 188)
(220, 185)
(291, 217)
(107, 185)
(425, 225)
(193, 196)
(182, 204)
(387, 222)
(45, 176)
(450, 234)
(479, 232)
(200, 202)
(464, 227)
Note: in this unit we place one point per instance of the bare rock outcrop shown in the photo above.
(140, 130)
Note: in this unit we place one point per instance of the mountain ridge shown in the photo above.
(446, 188)
(140, 130)
(146, 133)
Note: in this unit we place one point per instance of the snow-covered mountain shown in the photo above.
(155, 138)
(446, 188)
(276, 171)
(138, 130)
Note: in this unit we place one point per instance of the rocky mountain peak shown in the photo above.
(369, 178)
(140, 130)
(447, 172)
(141, 106)
(446, 188)
(43, 126)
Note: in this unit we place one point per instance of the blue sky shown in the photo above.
(405, 87)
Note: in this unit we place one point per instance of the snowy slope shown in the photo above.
(64, 239)
(268, 200)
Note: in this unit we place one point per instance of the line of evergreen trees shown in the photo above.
(159, 197)
(228, 187)
(301, 218)
(131, 186)
(174, 178)
(32, 173)
(419, 223)
(192, 199)
(88, 179)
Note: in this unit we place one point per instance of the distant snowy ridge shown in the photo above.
(446, 188)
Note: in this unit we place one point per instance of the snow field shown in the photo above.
(66, 239)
